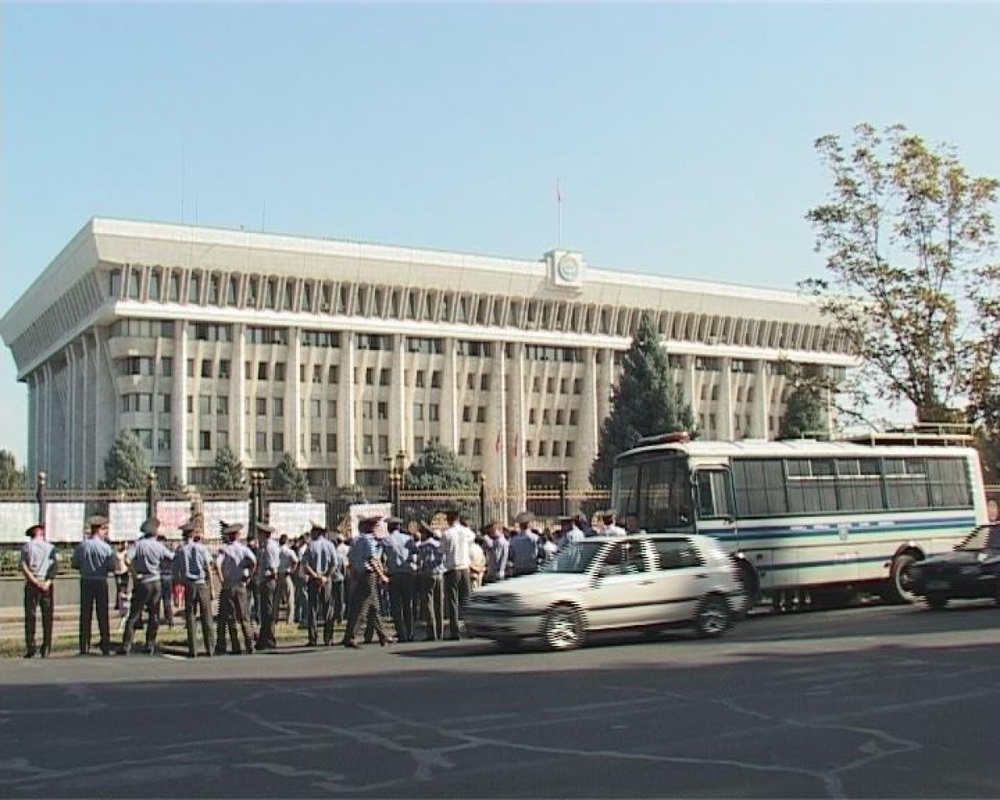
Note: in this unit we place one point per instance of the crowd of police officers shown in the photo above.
(421, 577)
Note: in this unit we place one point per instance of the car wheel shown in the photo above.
(936, 602)
(900, 589)
(713, 617)
(563, 629)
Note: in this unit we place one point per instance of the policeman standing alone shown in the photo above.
(319, 563)
(269, 559)
(95, 559)
(193, 566)
(236, 563)
(38, 566)
(147, 556)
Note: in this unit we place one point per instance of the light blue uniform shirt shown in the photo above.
(363, 549)
(233, 560)
(147, 557)
(95, 559)
(524, 551)
(193, 562)
(269, 559)
(430, 558)
(400, 553)
(40, 558)
(321, 555)
(497, 555)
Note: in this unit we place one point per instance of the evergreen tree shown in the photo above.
(11, 476)
(438, 468)
(804, 413)
(228, 472)
(290, 481)
(644, 402)
(127, 465)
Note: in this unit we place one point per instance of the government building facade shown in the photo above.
(353, 356)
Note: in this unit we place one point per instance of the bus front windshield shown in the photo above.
(656, 487)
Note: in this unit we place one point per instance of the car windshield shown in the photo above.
(982, 538)
(575, 557)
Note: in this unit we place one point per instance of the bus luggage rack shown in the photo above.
(945, 434)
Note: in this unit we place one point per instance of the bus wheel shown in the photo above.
(900, 589)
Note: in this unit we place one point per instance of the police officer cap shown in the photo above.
(97, 521)
(31, 530)
(316, 528)
(394, 521)
(264, 528)
(567, 519)
(231, 529)
(151, 525)
(192, 524)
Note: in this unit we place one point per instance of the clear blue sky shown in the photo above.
(682, 134)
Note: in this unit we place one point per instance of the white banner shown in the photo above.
(172, 514)
(230, 511)
(64, 522)
(124, 521)
(15, 519)
(360, 511)
(295, 519)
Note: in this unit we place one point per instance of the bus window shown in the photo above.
(665, 494)
(713, 494)
(626, 489)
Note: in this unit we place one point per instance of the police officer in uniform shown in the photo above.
(400, 553)
(146, 558)
(269, 560)
(319, 563)
(236, 563)
(95, 559)
(193, 568)
(367, 578)
(38, 566)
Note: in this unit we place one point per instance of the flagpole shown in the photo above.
(558, 214)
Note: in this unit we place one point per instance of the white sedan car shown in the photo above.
(647, 581)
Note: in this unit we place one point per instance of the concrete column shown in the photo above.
(82, 476)
(46, 396)
(32, 464)
(761, 399)
(516, 423)
(75, 423)
(495, 468)
(604, 376)
(293, 399)
(346, 424)
(238, 396)
(449, 398)
(690, 395)
(98, 462)
(588, 432)
(726, 401)
(179, 391)
(397, 399)
(493, 438)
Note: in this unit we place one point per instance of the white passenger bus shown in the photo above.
(805, 517)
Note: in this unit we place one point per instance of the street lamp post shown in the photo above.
(40, 496)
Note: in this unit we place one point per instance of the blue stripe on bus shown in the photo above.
(840, 562)
(787, 532)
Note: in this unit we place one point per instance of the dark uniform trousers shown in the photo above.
(198, 599)
(320, 610)
(433, 602)
(267, 591)
(402, 596)
(233, 610)
(338, 589)
(167, 598)
(457, 586)
(35, 599)
(94, 596)
(145, 595)
(364, 607)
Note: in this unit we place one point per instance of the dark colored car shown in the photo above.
(971, 570)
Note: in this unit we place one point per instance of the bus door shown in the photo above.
(714, 505)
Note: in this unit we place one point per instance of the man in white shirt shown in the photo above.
(456, 550)
(611, 526)
(288, 561)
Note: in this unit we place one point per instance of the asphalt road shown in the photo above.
(872, 702)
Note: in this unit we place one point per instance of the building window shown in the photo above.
(550, 385)
(167, 367)
(331, 443)
(531, 416)
(433, 412)
(463, 447)
(331, 409)
(383, 445)
(164, 403)
(261, 442)
(204, 440)
(279, 371)
(222, 405)
(481, 414)
(543, 449)
(262, 371)
(536, 384)
(570, 449)
(190, 367)
(278, 406)
(204, 405)
(314, 443)
(333, 374)
(484, 382)
(369, 376)
(261, 403)
(419, 379)
(315, 408)
(560, 417)
(546, 418)
(206, 368)
(194, 288)
(418, 412)
(278, 442)
(436, 379)
(367, 446)
(418, 444)
(385, 377)
(224, 369)
(556, 448)
(383, 410)
(317, 373)
(163, 439)
(477, 447)
(529, 448)
(466, 413)
(190, 404)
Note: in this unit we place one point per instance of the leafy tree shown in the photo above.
(444, 481)
(290, 481)
(127, 464)
(644, 402)
(11, 476)
(438, 468)
(905, 232)
(805, 415)
(228, 472)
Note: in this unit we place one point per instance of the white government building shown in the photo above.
(350, 355)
